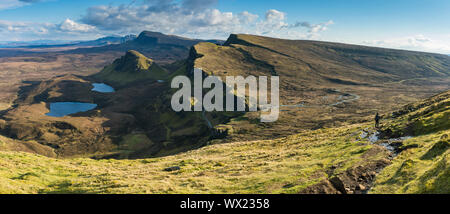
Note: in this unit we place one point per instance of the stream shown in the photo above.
(391, 144)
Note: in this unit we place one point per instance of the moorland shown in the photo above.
(133, 142)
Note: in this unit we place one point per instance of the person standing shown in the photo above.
(377, 120)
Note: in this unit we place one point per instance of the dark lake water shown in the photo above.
(61, 109)
(102, 87)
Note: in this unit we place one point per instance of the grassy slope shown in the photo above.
(317, 62)
(425, 169)
(429, 115)
(285, 165)
(311, 71)
(278, 166)
(335, 56)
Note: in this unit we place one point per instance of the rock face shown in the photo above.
(131, 67)
(133, 61)
(355, 180)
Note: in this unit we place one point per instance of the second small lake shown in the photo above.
(61, 109)
(102, 87)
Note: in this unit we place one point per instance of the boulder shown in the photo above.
(172, 168)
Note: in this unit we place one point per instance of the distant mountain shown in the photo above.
(55, 43)
(107, 41)
(156, 38)
(16, 44)
(160, 47)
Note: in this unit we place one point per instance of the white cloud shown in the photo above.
(274, 22)
(71, 26)
(198, 20)
(213, 18)
(67, 29)
(191, 18)
(416, 43)
(275, 16)
(246, 17)
(313, 29)
(8, 4)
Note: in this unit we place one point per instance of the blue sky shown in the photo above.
(422, 25)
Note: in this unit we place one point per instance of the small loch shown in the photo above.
(102, 88)
(61, 109)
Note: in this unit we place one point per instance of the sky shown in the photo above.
(422, 25)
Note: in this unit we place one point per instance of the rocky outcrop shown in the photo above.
(131, 68)
(355, 180)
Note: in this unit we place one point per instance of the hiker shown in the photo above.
(377, 120)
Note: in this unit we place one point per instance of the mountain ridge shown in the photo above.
(272, 44)
(162, 48)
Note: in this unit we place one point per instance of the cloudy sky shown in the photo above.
(422, 25)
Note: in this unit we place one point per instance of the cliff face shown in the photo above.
(334, 60)
(133, 61)
(131, 67)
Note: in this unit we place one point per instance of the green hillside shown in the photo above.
(311, 62)
(323, 142)
(323, 84)
(308, 162)
(425, 166)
